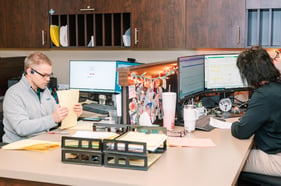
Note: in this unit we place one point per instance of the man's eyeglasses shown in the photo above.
(42, 75)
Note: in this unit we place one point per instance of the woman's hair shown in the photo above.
(255, 66)
(36, 58)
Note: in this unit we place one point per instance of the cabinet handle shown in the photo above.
(237, 34)
(136, 36)
(43, 37)
(87, 9)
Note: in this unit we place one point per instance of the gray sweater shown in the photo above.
(24, 114)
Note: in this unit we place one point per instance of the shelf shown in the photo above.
(93, 30)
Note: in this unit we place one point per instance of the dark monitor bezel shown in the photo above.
(197, 93)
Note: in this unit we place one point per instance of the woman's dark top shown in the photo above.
(262, 118)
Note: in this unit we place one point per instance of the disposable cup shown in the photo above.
(169, 109)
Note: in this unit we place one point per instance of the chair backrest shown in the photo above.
(1, 130)
(247, 178)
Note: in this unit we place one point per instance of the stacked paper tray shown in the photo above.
(128, 155)
(82, 150)
(137, 149)
(152, 130)
(118, 128)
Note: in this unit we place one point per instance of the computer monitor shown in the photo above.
(190, 77)
(98, 76)
(222, 74)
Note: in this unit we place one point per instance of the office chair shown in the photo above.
(253, 179)
(1, 130)
(1, 126)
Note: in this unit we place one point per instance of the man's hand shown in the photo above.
(78, 109)
(60, 113)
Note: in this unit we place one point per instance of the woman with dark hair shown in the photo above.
(263, 116)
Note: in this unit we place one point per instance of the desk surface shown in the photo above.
(219, 166)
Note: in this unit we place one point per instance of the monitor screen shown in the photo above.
(92, 75)
(120, 64)
(221, 72)
(191, 76)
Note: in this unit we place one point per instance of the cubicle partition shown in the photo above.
(142, 86)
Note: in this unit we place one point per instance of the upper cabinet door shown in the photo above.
(27, 24)
(3, 24)
(263, 23)
(215, 24)
(89, 6)
(158, 24)
(71, 6)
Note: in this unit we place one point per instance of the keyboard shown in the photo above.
(97, 108)
(203, 123)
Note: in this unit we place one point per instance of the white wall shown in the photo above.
(60, 58)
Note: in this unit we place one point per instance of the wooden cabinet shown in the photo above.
(89, 6)
(158, 24)
(71, 6)
(99, 23)
(215, 24)
(3, 24)
(27, 24)
(263, 23)
(154, 24)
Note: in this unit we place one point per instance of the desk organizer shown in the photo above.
(118, 128)
(82, 150)
(125, 154)
(152, 130)
(130, 154)
(113, 152)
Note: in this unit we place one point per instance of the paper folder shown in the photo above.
(29, 144)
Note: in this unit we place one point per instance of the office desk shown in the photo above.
(212, 166)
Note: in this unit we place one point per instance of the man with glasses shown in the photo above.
(28, 107)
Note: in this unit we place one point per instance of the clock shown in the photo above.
(225, 104)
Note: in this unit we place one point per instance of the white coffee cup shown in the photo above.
(169, 109)
(190, 116)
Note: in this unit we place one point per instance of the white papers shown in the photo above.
(95, 135)
(220, 124)
(68, 98)
(63, 36)
(153, 141)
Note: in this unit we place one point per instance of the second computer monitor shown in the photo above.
(222, 74)
(191, 76)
